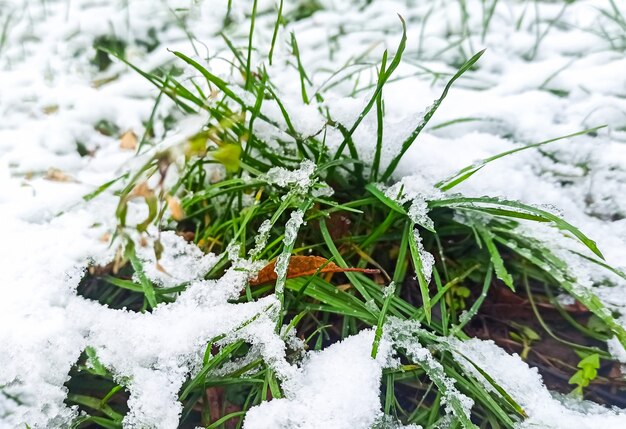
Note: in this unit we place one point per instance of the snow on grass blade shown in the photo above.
(393, 205)
(422, 272)
(491, 382)
(456, 403)
(146, 284)
(557, 269)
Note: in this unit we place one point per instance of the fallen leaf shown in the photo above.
(304, 266)
(57, 175)
(128, 140)
(142, 190)
(50, 109)
(187, 235)
(176, 210)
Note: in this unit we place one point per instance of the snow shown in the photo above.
(526, 387)
(524, 90)
(180, 262)
(337, 387)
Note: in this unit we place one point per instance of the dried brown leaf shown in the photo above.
(304, 266)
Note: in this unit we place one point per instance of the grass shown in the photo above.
(475, 243)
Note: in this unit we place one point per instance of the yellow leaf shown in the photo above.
(228, 155)
(196, 144)
(175, 208)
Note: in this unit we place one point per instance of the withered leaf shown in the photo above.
(56, 175)
(176, 209)
(128, 140)
(304, 266)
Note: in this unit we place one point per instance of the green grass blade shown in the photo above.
(583, 294)
(389, 294)
(211, 78)
(409, 141)
(250, 34)
(379, 123)
(279, 18)
(479, 203)
(496, 258)
(380, 195)
(470, 170)
(146, 284)
(379, 87)
(354, 279)
(304, 79)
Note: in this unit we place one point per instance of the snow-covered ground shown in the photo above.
(551, 68)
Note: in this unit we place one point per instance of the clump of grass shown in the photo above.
(475, 242)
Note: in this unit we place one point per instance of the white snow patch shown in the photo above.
(338, 387)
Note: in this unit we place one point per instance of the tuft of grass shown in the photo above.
(476, 242)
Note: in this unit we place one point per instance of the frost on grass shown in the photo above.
(300, 178)
(260, 240)
(404, 335)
